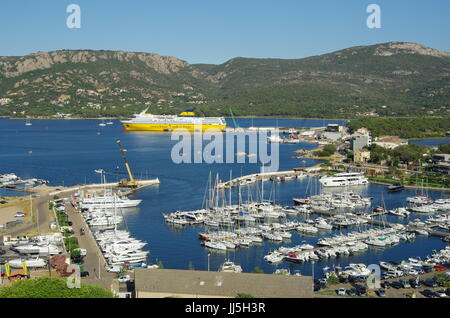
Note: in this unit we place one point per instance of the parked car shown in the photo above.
(343, 280)
(428, 293)
(114, 269)
(385, 284)
(414, 282)
(405, 283)
(341, 292)
(396, 285)
(430, 282)
(381, 292)
(440, 293)
(124, 279)
(439, 268)
(19, 215)
(351, 291)
(360, 290)
(3, 202)
(84, 274)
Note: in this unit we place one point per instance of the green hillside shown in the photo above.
(390, 79)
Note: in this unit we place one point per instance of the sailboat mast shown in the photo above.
(231, 178)
(262, 185)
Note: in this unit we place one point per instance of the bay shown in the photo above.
(66, 152)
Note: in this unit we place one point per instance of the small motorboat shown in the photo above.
(396, 187)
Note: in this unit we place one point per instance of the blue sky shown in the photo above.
(212, 31)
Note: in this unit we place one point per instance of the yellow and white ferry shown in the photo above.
(186, 120)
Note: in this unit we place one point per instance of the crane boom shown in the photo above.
(132, 182)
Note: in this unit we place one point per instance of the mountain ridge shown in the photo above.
(387, 79)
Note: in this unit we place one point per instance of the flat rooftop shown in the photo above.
(153, 282)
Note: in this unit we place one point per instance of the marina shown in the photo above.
(182, 188)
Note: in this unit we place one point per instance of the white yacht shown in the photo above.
(344, 179)
(31, 263)
(108, 202)
(230, 267)
(37, 249)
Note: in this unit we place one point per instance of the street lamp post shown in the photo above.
(312, 275)
(208, 261)
(99, 268)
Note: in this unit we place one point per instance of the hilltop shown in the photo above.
(390, 79)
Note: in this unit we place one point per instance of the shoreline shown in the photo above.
(412, 186)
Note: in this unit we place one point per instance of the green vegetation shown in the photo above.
(352, 83)
(327, 151)
(257, 270)
(411, 153)
(243, 295)
(62, 218)
(46, 287)
(442, 278)
(445, 148)
(71, 243)
(332, 280)
(404, 128)
(414, 157)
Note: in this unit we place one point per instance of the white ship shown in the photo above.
(107, 202)
(344, 179)
(185, 120)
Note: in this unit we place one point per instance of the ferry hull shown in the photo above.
(169, 127)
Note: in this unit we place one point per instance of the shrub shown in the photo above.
(46, 287)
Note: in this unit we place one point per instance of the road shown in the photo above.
(94, 262)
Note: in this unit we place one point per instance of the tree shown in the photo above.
(243, 295)
(445, 148)
(47, 287)
(332, 279)
(258, 270)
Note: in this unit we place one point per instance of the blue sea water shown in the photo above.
(66, 152)
(431, 142)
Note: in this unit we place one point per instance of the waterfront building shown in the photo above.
(331, 135)
(358, 142)
(390, 142)
(361, 156)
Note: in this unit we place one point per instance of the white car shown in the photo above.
(124, 279)
(341, 292)
(19, 215)
(114, 269)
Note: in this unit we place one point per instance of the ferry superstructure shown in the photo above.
(186, 120)
(344, 179)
